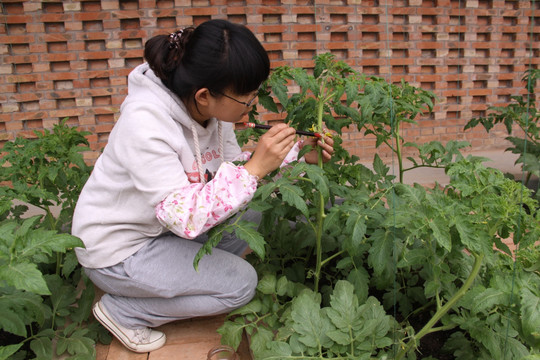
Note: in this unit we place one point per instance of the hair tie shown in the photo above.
(174, 39)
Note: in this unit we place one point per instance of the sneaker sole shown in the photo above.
(108, 323)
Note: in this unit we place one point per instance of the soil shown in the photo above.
(431, 344)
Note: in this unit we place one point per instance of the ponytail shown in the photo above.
(164, 53)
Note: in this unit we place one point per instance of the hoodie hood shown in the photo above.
(145, 87)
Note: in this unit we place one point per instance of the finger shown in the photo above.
(325, 146)
(326, 155)
(280, 132)
(285, 136)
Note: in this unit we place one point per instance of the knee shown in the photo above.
(245, 290)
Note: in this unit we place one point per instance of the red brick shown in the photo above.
(494, 54)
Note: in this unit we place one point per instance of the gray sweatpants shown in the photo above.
(158, 284)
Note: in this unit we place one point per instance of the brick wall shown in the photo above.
(71, 58)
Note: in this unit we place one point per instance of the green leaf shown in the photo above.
(70, 263)
(20, 308)
(231, 332)
(267, 285)
(293, 196)
(260, 339)
(345, 315)
(489, 298)
(441, 232)
(379, 166)
(530, 316)
(214, 237)
(309, 322)
(24, 276)
(282, 286)
(12, 322)
(316, 174)
(42, 347)
(246, 231)
(265, 190)
(432, 288)
(276, 350)
(76, 344)
(268, 103)
(359, 277)
(380, 254)
(344, 304)
(7, 351)
(253, 307)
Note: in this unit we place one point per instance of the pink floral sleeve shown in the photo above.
(196, 208)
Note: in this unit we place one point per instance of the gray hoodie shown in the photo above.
(150, 154)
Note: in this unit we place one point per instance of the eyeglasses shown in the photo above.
(247, 104)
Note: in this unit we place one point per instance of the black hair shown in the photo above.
(217, 55)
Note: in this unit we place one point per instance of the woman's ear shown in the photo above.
(202, 97)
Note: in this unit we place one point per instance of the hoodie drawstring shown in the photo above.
(202, 179)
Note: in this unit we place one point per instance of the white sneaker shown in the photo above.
(139, 340)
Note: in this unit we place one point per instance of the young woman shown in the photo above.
(166, 176)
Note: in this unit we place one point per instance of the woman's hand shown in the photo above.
(272, 148)
(327, 145)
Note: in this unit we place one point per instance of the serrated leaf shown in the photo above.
(340, 336)
(309, 322)
(214, 237)
(265, 190)
(46, 242)
(24, 276)
(76, 344)
(359, 277)
(70, 263)
(27, 225)
(268, 103)
(260, 339)
(21, 308)
(343, 312)
(432, 288)
(530, 315)
(316, 174)
(7, 231)
(379, 167)
(12, 322)
(254, 306)
(488, 298)
(231, 332)
(466, 233)
(357, 223)
(282, 286)
(441, 232)
(246, 231)
(275, 350)
(293, 196)
(267, 285)
(63, 295)
(414, 257)
(42, 347)
(380, 253)
(332, 220)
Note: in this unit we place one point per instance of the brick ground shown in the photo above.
(71, 58)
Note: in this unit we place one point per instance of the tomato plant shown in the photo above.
(355, 264)
(41, 298)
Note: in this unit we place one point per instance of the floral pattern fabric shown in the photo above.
(195, 208)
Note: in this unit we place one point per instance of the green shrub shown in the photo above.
(45, 299)
(355, 264)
